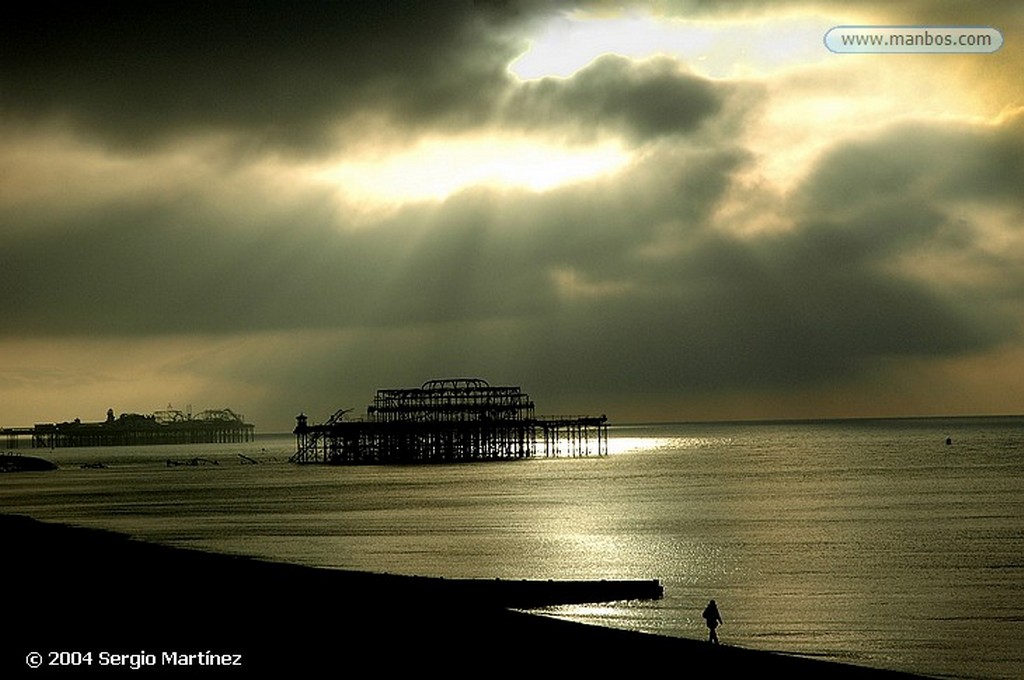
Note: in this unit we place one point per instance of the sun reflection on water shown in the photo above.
(630, 444)
(626, 444)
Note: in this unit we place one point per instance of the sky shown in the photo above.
(659, 211)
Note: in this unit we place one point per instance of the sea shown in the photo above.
(895, 543)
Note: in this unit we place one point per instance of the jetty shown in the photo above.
(169, 426)
(448, 420)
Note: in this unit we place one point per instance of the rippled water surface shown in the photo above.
(871, 542)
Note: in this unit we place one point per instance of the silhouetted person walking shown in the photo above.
(713, 619)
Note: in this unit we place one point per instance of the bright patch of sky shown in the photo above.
(717, 49)
(435, 169)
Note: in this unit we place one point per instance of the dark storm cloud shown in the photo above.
(933, 163)
(628, 281)
(291, 75)
(926, 196)
(633, 283)
(176, 257)
(646, 100)
(702, 308)
(137, 73)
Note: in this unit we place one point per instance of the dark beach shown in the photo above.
(72, 589)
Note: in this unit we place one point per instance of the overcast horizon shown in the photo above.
(660, 211)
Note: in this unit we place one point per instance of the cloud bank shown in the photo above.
(160, 192)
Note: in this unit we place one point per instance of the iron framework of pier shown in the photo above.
(447, 421)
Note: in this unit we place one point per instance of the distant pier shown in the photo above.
(449, 420)
(221, 426)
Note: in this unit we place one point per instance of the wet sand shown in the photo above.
(71, 589)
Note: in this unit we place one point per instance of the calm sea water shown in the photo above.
(868, 542)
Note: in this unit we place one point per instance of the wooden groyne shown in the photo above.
(449, 420)
(530, 594)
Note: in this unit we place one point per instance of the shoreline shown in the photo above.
(90, 590)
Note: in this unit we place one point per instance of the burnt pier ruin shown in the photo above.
(447, 421)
